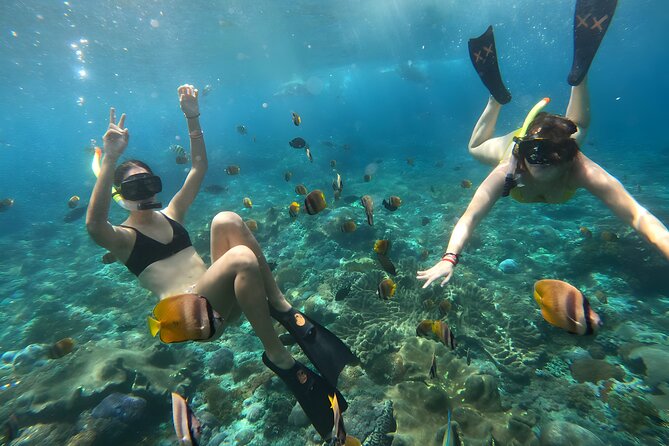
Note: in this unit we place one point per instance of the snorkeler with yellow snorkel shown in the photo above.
(541, 162)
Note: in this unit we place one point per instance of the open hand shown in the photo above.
(188, 100)
(441, 269)
(115, 139)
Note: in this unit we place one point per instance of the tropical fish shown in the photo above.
(297, 143)
(6, 203)
(433, 367)
(294, 209)
(392, 203)
(465, 184)
(348, 226)
(386, 264)
(564, 306)
(410, 161)
(215, 189)
(206, 90)
(61, 348)
(73, 202)
(425, 221)
(438, 329)
(184, 317)
(585, 232)
(444, 307)
(315, 202)
(339, 436)
(367, 178)
(75, 214)
(241, 129)
(301, 189)
(309, 155)
(469, 358)
(251, 224)
(288, 175)
(382, 247)
(368, 204)
(108, 258)
(247, 202)
(187, 427)
(444, 333)
(232, 169)
(182, 156)
(386, 289)
(296, 119)
(337, 186)
(333, 163)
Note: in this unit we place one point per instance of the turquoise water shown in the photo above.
(376, 83)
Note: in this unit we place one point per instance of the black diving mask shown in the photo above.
(140, 187)
(536, 150)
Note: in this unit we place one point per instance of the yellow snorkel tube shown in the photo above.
(116, 194)
(510, 181)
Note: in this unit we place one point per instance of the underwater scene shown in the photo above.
(374, 222)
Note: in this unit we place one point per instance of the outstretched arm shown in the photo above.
(184, 198)
(608, 189)
(115, 140)
(484, 199)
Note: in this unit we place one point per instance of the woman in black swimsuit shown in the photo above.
(156, 248)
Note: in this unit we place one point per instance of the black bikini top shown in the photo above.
(147, 250)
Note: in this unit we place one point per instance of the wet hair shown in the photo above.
(558, 130)
(122, 170)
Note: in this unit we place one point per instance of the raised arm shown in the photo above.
(184, 198)
(484, 199)
(608, 189)
(115, 140)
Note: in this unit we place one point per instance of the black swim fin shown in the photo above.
(483, 54)
(311, 391)
(323, 348)
(591, 20)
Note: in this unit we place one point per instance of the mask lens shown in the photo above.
(140, 187)
(535, 151)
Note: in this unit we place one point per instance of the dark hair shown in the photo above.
(123, 168)
(558, 130)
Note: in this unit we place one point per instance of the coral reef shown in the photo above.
(421, 404)
(594, 370)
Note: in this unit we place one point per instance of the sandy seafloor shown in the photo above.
(524, 375)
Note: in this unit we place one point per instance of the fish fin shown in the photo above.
(154, 326)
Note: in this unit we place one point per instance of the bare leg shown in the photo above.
(578, 109)
(235, 279)
(482, 145)
(227, 231)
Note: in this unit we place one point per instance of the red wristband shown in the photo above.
(451, 258)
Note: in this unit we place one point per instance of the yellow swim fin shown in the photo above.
(154, 326)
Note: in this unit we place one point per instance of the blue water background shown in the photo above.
(246, 51)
